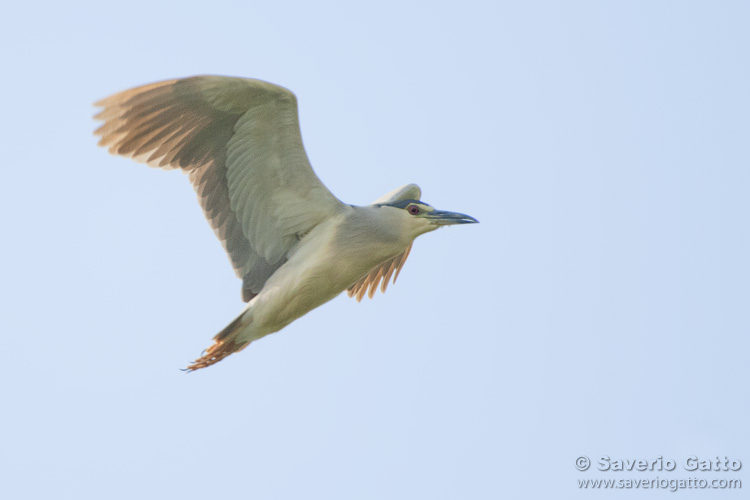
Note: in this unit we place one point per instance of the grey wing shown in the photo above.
(405, 192)
(240, 144)
(387, 269)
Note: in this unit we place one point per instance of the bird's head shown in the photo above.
(418, 217)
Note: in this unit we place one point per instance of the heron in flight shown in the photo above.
(291, 241)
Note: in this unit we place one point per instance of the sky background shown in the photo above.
(599, 309)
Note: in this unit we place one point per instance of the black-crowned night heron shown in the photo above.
(293, 243)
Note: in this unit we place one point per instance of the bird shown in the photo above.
(294, 245)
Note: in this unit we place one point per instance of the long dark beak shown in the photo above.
(443, 218)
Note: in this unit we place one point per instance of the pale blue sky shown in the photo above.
(600, 308)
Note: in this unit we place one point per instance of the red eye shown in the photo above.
(413, 209)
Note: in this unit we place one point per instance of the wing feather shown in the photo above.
(382, 272)
(240, 144)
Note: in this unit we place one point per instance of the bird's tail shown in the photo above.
(226, 342)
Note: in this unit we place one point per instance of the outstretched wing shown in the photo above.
(240, 144)
(387, 269)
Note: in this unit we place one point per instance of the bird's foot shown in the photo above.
(218, 351)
